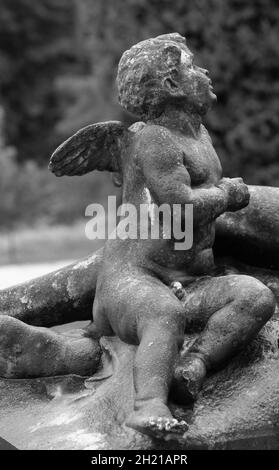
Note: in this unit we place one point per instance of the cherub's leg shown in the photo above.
(161, 337)
(236, 308)
(28, 351)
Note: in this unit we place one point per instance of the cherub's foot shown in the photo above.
(155, 419)
(188, 379)
(159, 428)
(28, 351)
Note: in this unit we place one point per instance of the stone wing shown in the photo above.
(95, 147)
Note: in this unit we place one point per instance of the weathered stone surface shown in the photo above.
(29, 351)
(238, 407)
(63, 413)
(269, 277)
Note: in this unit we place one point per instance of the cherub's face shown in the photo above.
(194, 83)
(159, 71)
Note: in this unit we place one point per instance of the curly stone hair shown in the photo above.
(142, 71)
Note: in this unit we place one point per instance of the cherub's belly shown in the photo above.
(186, 269)
(194, 258)
(162, 258)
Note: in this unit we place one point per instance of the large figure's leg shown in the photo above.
(60, 297)
(56, 298)
(28, 351)
(235, 308)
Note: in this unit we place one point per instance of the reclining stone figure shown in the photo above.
(166, 158)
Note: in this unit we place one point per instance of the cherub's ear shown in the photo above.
(95, 147)
(172, 55)
(172, 86)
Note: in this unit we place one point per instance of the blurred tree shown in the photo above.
(30, 194)
(36, 44)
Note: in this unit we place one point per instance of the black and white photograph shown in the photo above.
(139, 229)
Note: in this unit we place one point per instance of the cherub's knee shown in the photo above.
(256, 299)
(163, 330)
(265, 304)
(171, 328)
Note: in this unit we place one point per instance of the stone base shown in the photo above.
(238, 407)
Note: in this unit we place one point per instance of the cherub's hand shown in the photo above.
(236, 191)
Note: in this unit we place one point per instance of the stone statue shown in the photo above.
(145, 292)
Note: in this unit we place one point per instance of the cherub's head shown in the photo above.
(159, 71)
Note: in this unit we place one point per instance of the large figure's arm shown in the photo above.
(169, 181)
(252, 234)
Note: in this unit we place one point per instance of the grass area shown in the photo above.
(46, 243)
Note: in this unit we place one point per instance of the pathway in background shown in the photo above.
(14, 274)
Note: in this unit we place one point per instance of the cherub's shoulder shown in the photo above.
(150, 133)
(137, 127)
(155, 146)
(205, 132)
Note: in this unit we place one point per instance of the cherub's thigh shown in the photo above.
(137, 300)
(210, 294)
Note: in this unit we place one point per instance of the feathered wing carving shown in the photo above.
(95, 147)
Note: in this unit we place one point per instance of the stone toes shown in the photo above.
(168, 425)
(177, 426)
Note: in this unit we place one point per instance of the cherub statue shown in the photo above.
(167, 157)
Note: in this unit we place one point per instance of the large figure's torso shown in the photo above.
(160, 256)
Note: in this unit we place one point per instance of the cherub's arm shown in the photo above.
(169, 181)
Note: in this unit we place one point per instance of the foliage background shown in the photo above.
(58, 61)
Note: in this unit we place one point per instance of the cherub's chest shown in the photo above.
(200, 160)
